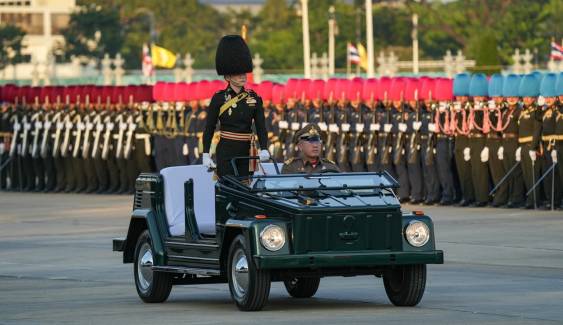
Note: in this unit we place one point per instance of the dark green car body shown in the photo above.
(342, 235)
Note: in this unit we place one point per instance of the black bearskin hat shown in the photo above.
(233, 56)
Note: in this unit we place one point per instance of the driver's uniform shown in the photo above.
(299, 165)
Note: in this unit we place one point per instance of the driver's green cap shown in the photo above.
(308, 132)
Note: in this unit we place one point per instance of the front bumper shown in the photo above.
(363, 259)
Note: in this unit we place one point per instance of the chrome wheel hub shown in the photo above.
(239, 273)
(144, 267)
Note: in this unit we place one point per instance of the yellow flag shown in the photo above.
(162, 57)
(363, 56)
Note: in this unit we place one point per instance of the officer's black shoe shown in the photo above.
(464, 203)
(90, 190)
(497, 204)
(430, 202)
(445, 202)
(479, 204)
(416, 201)
(529, 207)
(514, 205)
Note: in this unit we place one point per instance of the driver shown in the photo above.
(309, 161)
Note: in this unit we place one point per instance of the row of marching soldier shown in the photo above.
(468, 141)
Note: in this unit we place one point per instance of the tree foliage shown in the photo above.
(11, 38)
(486, 30)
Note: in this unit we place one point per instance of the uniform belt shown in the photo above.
(493, 136)
(476, 135)
(509, 135)
(423, 137)
(236, 136)
(525, 139)
(142, 136)
(553, 137)
(442, 136)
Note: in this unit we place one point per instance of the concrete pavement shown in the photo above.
(57, 267)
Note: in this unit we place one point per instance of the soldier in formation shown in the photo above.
(470, 141)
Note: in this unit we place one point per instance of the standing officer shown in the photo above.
(529, 136)
(552, 188)
(413, 139)
(236, 109)
(559, 131)
(309, 161)
(478, 129)
(493, 142)
(510, 146)
(428, 142)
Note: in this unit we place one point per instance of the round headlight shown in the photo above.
(272, 237)
(417, 233)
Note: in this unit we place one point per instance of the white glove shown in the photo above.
(207, 161)
(359, 127)
(345, 127)
(295, 126)
(541, 101)
(264, 155)
(402, 127)
(533, 155)
(518, 154)
(416, 125)
(485, 154)
(500, 153)
(466, 154)
(185, 150)
(387, 127)
(323, 126)
(38, 125)
(457, 106)
(492, 104)
(442, 107)
(431, 127)
(123, 126)
(283, 125)
(374, 127)
(333, 128)
(554, 156)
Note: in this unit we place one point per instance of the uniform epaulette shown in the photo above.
(289, 161)
(328, 160)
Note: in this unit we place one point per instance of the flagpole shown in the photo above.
(415, 64)
(331, 32)
(369, 37)
(306, 42)
(348, 63)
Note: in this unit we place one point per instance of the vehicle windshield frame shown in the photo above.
(248, 182)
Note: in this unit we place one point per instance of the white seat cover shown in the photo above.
(204, 198)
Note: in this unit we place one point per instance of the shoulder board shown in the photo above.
(328, 160)
(289, 161)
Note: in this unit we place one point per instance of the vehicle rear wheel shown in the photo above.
(405, 284)
(249, 286)
(151, 286)
(302, 287)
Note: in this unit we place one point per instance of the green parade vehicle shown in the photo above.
(186, 228)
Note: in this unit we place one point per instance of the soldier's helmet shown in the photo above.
(529, 86)
(495, 85)
(510, 87)
(461, 84)
(478, 86)
(233, 56)
(547, 86)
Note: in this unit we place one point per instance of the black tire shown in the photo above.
(153, 290)
(255, 294)
(405, 285)
(302, 287)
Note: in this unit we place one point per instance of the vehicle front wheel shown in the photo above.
(405, 285)
(249, 286)
(151, 286)
(302, 287)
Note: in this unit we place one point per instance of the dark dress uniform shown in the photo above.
(529, 138)
(515, 182)
(357, 139)
(428, 157)
(463, 167)
(297, 165)
(399, 153)
(236, 129)
(549, 138)
(342, 139)
(5, 141)
(496, 167)
(412, 148)
(479, 169)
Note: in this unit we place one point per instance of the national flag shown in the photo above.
(148, 69)
(162, 57)
(363, 56)
(353, 55)
(556, 51)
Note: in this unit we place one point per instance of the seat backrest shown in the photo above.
(204, 198)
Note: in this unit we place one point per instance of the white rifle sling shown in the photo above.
(57, 141)
(131, 128)
(26, 127)
(107, 136)
(79, 128)
(87, 130)
(46, 130)
(36, 130)
(99, 128)
(17, 127)
(122, 127)
(67, 126)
